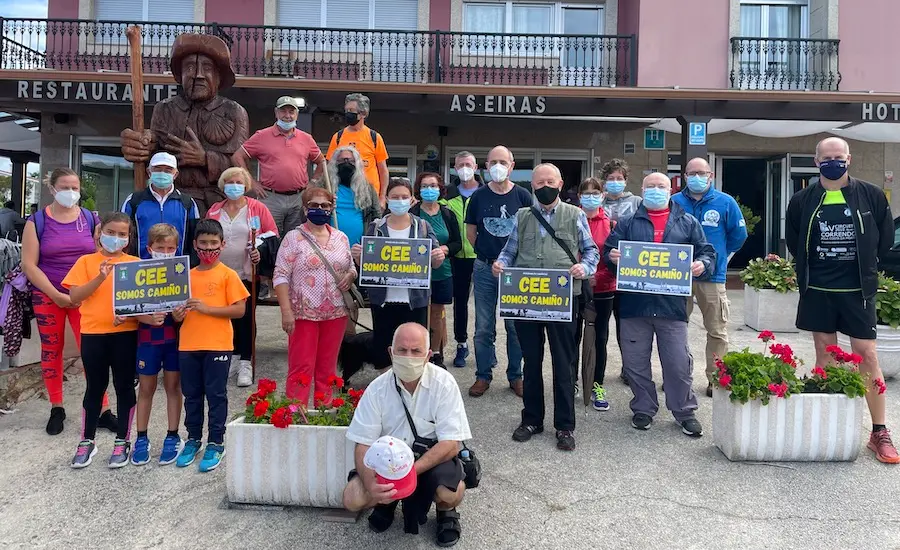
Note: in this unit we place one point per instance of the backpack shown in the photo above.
(372, 133)
(38, 219)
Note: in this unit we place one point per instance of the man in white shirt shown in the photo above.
(432, 399)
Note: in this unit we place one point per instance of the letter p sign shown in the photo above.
(697, 133)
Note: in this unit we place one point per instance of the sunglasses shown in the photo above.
(322, 205)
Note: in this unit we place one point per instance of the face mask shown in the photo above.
(546, 194)
(161, 180)
(408, 369)
(430, 194)
(208, 256)
(111, 243)
(67, 198)
(161, 255)
(656, 198)
(697, 184)
(833, 169)
(345, 172)
(234, 191)
(499, 173)
(590, 202)
(615, 187)
(318, 216)
(398, 207)
(351, 118)
(465, 173)
(286, 126)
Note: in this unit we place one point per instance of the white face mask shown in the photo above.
(465, 174)
(161, 255)
(67, 197)
(408, 369)
(499, 173)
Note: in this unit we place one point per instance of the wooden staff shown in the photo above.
(137, 98)
(333, 191)
(253, 306)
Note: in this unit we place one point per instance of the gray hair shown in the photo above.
(362, 102)
(462, 155)
(362, 195)
(549, 165)
(425, 333)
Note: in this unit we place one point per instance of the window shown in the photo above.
(174, 11)
(157, 38)
(775, 19)
(510, 18)
(401, 15)
(771, 52)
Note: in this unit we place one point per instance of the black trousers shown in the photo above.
(385, 320)
(462, 286)
(562, 350)
(204, 379)
(243, 329)
(100, 354)
(604, 308)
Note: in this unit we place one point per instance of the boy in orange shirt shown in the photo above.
(205, 345)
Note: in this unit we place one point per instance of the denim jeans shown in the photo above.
(485, 286)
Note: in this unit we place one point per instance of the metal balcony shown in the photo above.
(784, 64)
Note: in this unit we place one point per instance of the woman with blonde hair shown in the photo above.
(239, 216)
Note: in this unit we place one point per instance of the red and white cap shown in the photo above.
(393, 462)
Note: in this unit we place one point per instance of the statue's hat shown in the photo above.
(206, 44)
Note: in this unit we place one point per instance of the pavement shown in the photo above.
(621, 488)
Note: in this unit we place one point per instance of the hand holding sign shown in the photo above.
(437, 257)
(614, 255)
(497, 268)
(578, 271)
(697, 268)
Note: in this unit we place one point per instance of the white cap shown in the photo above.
(391, 458)
(164, 159)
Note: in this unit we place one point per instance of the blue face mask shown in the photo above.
(161, 180)
(111, 243)
(833, 169)
(656, 198)
(697, 183)
(430, 194)
(590, 202)
(615, 187)
(234, 191)
(286, 126)
(398, 207)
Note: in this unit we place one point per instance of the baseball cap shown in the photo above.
(164, 159)
(393, 461)
(286, 100)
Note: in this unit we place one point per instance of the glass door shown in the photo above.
(583, 62)
(106, 177)
(777, 194)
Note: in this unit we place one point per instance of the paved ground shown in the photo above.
(620, 489)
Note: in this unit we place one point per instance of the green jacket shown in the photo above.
(458, 204)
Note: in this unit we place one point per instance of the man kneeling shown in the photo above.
(412, 391)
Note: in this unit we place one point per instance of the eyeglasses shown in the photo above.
(322, 205)
(698, 173)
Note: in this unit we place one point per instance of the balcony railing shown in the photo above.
(332, 54)
(784, 64)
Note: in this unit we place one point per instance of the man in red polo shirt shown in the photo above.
(284, 154)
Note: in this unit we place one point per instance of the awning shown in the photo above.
(767, 128)
(15, 138)
(878, 132)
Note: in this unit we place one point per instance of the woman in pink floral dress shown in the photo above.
(313, 313)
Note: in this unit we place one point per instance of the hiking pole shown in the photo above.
(333, 191)
(137, 98)
(253, 307)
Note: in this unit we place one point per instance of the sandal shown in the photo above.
(448, 528)
(382, 517)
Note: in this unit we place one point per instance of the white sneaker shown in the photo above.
(235, 366)
(245, 374)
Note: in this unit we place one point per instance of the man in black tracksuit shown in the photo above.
(836, 229)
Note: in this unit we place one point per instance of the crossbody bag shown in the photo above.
(587, 291)
(352, 298)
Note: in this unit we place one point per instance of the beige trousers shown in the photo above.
(712, 299)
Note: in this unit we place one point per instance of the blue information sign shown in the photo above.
(697, 134)
(655, 268)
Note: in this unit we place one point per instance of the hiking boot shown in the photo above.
(524, 432)
(641, 421)
(691, 427)
(55, 424)
(565, 440)
(479, 387)
(598, 399)
(881, 444)
(518, 387)
(462, 352)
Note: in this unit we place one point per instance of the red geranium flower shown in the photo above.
(820, 372)
(882, 387)
(282, 418)
(833, 349)
(337, 402)
(260, 408)
(780, 390)
(853, 358)
(338, 382)
(266, 386)
(724, 380)
(254, 397)
(766, 335)
(319, 397)
(304, 380)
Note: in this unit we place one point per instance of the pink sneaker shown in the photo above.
(881, 445)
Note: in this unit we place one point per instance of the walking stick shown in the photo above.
(253, 307)
(333, 191)
(137, 98)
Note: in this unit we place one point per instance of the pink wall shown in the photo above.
(439, 15)
(868, 47)
(674, 51)
(62, 9)
(236, 12)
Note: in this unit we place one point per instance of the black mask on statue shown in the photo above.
(345, 173)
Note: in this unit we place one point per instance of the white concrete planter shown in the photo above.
(810, 427)
(770, 309)
(293, 466)
(887, 344)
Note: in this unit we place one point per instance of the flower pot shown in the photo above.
(293, 466)
(770, 310)
(887, 344)
(808, 427)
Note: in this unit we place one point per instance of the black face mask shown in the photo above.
(345, 172)
(546, 194)
(351, 118)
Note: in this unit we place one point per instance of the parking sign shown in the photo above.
(697, 133)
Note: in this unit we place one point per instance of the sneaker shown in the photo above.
(263, 291)
(599, 398)
(691, 427)
(141, 454)
(709, 390)
(641, 421)
(84, 454)
(188, 453)
(462, 352)
(524, 432)
(235, 366)
(119, 456)
(565, 440)
(245, 374)
(172, 445)
(212, 457)
(109, 421)
(577, 390)
(437, 359)
(55, 424)
(881, 445)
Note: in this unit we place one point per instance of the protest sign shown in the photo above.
(535, 294)
(401, 263)
(655, 268)
(151, 286)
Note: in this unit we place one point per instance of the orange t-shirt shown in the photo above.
(371, 153)
(97, 309)
(217, 287)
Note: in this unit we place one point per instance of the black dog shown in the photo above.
(356, 351)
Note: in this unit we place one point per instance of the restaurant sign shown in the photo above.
(498, 104)
(84, 92)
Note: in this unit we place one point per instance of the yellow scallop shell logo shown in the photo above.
(179, 268)
(562, 281)
(682, 255)
(422, 249)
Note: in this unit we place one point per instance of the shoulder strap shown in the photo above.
(374, 135)
(315, 246)
(412, 425)
(552, 233)
(136, 199)
(38, 219)
(339, 134)
(90, 218)
(187, 202)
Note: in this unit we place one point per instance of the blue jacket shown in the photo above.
(722, 222)
(681, 228)
(173, 211)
